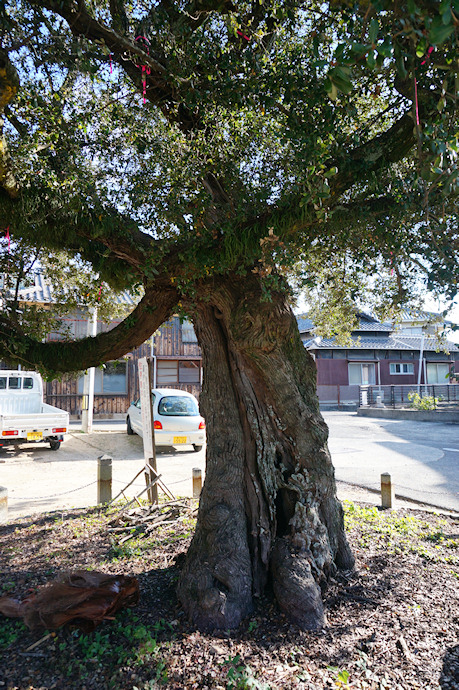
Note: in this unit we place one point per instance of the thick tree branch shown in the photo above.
(56, 358)
(389, 147)
(9, 84)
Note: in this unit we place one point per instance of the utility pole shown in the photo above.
(88, 383)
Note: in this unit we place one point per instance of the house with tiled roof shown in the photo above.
(383, 354)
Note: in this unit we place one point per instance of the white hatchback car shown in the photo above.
(176, 419)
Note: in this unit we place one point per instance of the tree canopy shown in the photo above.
(166, 143)
(201, 151)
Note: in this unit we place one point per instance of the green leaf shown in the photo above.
(446, 14)
(340, 76)
(421, 47)
(439, 32)
(441, 104)
(373, 32)
(343, 676)
(444, 6)
(359, 48)
(385, 48)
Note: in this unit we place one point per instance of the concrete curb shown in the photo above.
(443, 416)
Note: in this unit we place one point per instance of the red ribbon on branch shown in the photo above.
(145, 69)
(239, 33)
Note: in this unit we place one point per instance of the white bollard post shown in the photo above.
(3, 504)
(197, 482)
(104, 479)
(387, 491)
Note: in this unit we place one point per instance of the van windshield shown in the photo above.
(178, 406)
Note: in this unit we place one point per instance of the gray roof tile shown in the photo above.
(41, 292)
(399, 343)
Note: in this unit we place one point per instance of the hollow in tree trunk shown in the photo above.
(268, 510)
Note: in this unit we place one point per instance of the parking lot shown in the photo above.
(422, 457)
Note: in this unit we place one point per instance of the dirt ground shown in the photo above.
(392, 622)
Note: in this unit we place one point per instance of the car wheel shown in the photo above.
(197, 448)
(130, 430)
(55, 445)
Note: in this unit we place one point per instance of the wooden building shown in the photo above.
(176, 364)
(174, 350)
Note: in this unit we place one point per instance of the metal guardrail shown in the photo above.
(445, 396)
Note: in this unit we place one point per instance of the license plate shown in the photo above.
(34, 436)
(179, 439)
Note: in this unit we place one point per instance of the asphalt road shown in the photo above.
(422, 457)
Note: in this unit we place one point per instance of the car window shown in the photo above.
(2, 383)
(178, 406)
(14, 382)
(27, 383)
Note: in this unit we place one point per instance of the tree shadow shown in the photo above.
(449, 678)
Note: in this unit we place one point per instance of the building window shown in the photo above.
(401, 368)
(189, 372)
(438, 373)
(361, 373)
(171, 371)
(112, 378)
(166, 372)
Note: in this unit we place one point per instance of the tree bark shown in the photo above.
(268, 513)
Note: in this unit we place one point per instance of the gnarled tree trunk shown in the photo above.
(268, 508)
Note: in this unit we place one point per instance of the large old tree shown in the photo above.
(198, 151)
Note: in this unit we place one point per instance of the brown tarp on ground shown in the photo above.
(83, 597)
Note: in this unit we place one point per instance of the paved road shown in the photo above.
(422, 457)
